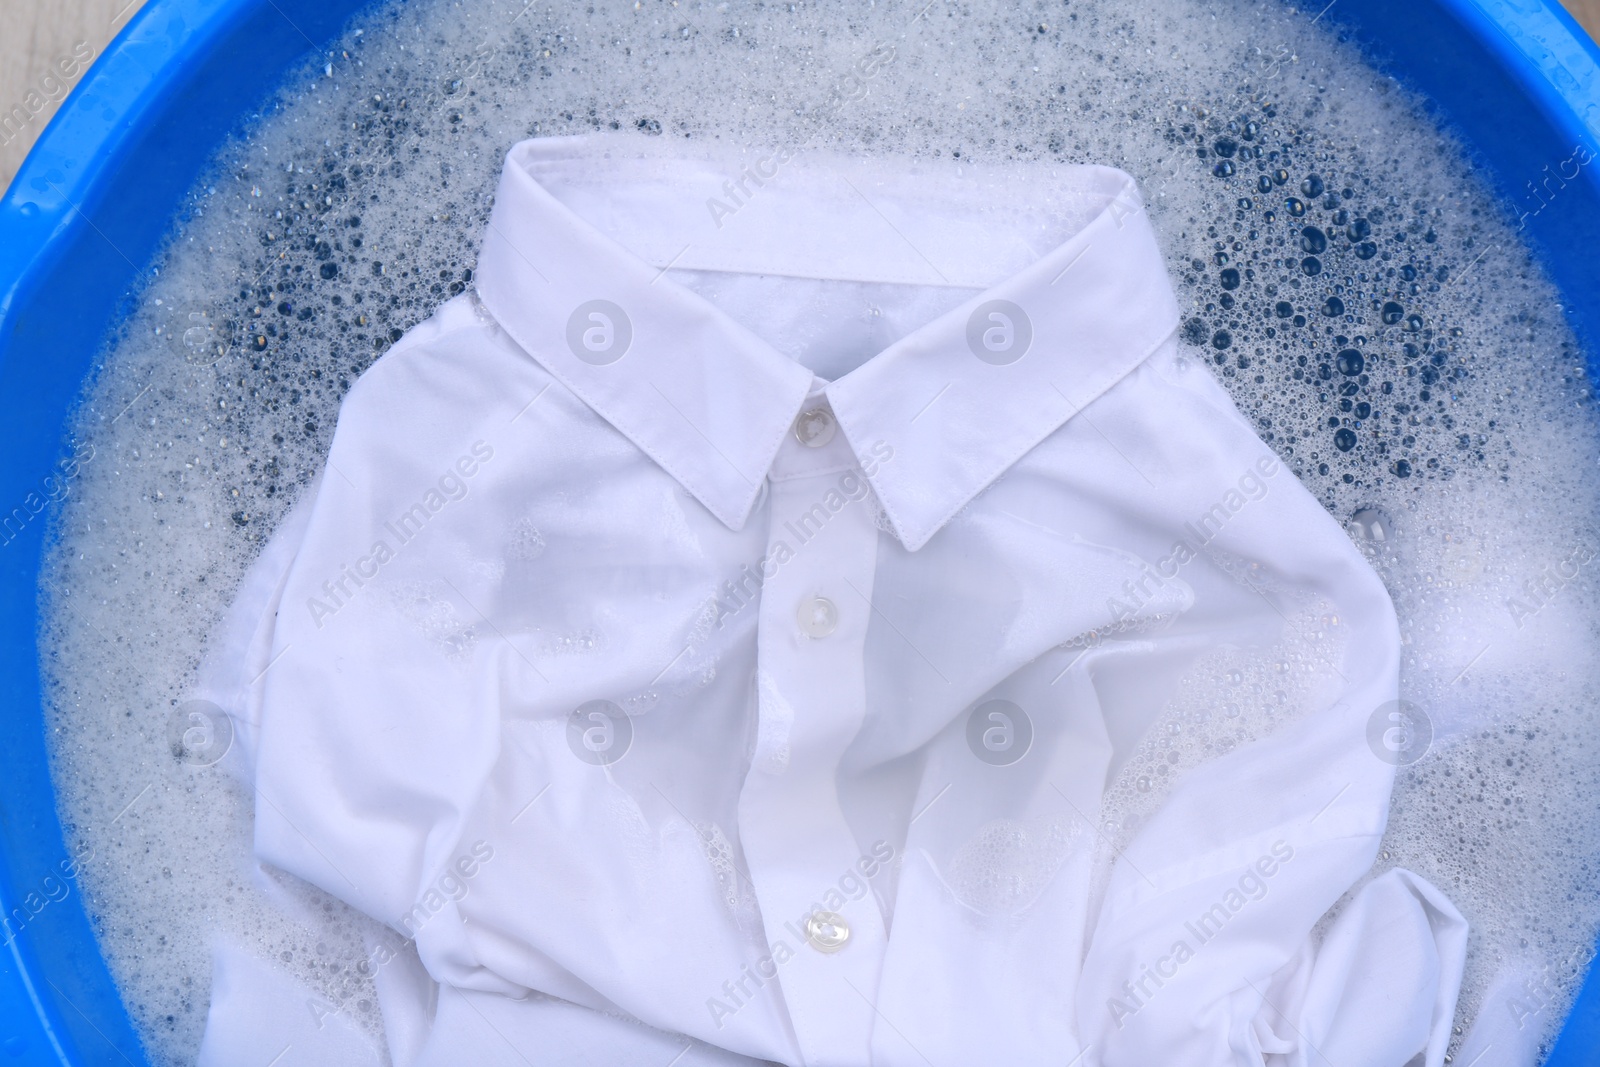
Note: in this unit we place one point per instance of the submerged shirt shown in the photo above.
(814, 611)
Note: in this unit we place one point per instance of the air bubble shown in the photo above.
(1372, 525)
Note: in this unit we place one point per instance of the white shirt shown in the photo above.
(819, 611)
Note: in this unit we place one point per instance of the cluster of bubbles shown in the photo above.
(1328, 282)
(1225, 699)
(1007, 865)
(1365, 301)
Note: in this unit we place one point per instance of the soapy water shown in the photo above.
(1365, 300)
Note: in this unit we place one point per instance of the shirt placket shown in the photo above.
(827, 948)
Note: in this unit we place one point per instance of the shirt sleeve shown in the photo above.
(239, 649)
(1219, 887)
(354, 661)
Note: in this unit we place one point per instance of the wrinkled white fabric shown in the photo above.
(1340, 1002)
(262, 1014)
(819, 542)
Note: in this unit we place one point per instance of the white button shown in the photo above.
(827, 931)
(818, 617)
(814, 428)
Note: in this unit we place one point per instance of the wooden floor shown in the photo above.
(44, 43)
(42, 48)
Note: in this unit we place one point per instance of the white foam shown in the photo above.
(213, 405)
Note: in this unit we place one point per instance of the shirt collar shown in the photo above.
(957, 401)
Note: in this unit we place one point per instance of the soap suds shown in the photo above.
(1366, 301)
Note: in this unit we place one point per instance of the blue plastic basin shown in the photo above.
(1516, 78)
